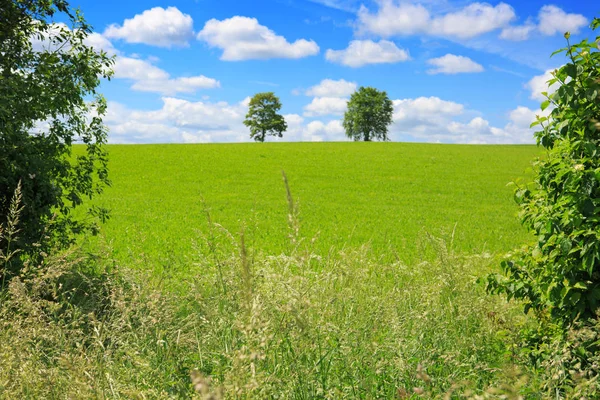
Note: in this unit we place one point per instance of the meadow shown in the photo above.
(209, 282)
(386, 195)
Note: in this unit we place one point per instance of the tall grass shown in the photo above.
(252, 325)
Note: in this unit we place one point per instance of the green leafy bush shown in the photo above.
(559, 276)
(48, 81)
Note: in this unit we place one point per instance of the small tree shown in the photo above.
(263, 118)
(48, 82)
(369, 114)
(558, 275)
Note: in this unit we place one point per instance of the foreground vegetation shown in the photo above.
(249, 325)
(296, 325)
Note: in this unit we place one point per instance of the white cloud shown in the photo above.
(293, 120)
(517, 33)
(315, 131)
(425, 108)
(554, 20)
(522, 116)
(99, 42)
(243, 38)
(518, 129)
(404, 18)
(331, 88)
(432, 119)
(474, 128)
(363, 52)
(453, 64)
(177, 121)
(149, 78)
(178, 85)
(539, 84)
(473, 20)
(134, 68)
(157, 27)
(326, 106)
(331, 131)
(391, 19)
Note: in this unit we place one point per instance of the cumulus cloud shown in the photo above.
(315, 131)
(539, 84)
(186, 84)
(177, 121)
(402, 18)
(243, 38)
(150, 78)
(522, 116)
(517, 33)
(425, 108)
(432, 119)
(156, 27)
(518, 129)
(99, 42)
(453, 64)
(473, 20)
(326, 106)
(331, 131)
(552, 20)
(363, 52)
(331, 88)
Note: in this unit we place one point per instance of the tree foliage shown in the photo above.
(369, 115)
(559, 275)
(263, 118)
(49, 101)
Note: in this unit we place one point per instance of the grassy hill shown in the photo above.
(349, 194)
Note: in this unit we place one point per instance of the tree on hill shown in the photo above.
(263, 118)
(369, 115)
(49, 100)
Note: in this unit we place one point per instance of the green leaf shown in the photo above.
(545, 104)
(571, 70)
(563, 50)
(580, 285)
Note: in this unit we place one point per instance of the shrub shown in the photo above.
(48, 82)
(559, 276)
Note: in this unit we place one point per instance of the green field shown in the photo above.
(374, 308)
(382, 194)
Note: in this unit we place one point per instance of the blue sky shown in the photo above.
(458, 71)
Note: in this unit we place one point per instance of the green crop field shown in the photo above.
(386, 195)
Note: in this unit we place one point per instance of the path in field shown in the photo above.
(387, 194)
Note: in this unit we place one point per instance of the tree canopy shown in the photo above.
(263, 118)
(49, 101)
(369, 115)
